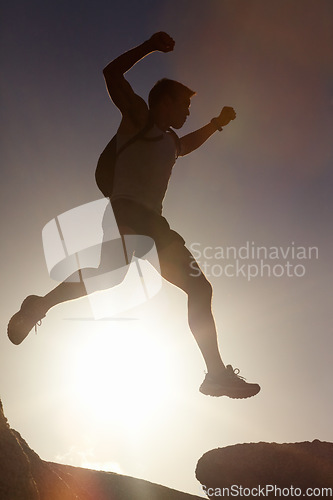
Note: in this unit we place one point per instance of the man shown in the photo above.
(141, 178)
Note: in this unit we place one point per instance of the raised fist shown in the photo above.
(227, 114)
(161, 41)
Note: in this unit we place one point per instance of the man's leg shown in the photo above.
(179, 267)
(115, 256)
(34, 308)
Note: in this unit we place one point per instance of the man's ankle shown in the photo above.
(216, 371)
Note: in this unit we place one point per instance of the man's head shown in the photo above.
(170, 100)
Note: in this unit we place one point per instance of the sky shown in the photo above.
(122, 394)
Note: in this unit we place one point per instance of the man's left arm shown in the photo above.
(194, 140)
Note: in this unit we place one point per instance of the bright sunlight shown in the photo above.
(123, 376)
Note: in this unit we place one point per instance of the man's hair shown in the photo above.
(168, 87)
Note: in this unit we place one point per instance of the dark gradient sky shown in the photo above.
(267, 179)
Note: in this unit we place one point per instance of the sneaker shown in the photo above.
(29, 316)
(229, 384)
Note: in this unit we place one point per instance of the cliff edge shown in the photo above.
(24, 476)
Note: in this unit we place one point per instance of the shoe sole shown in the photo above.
(216, 390)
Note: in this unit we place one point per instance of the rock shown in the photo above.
(300, 465)
(16, 481)
(24, 476)
(110, 486)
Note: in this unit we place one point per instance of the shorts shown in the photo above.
(143, 221)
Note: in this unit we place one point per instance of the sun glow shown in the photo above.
(120, 377)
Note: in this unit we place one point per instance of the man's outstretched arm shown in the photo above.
(132, 107)
(194, 140)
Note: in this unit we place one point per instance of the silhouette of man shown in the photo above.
(141, 179)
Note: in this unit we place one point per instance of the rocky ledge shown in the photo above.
(268, 469)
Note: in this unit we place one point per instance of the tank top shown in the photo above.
(143, 169)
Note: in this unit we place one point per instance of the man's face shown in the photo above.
(179, 111)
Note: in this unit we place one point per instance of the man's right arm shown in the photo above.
(133, 108)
